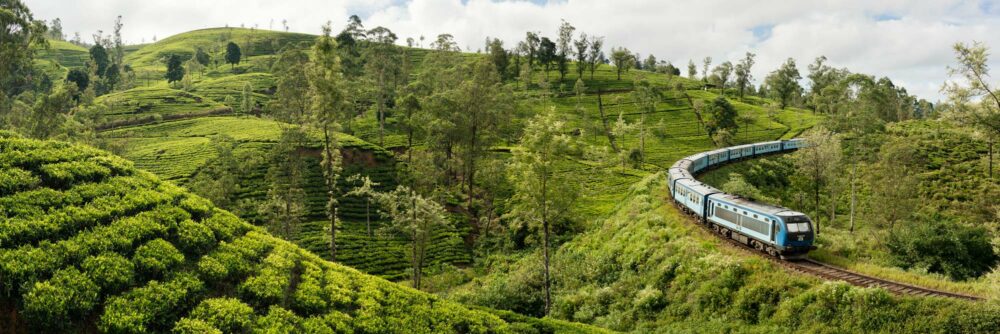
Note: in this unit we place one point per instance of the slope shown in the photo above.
(88, 242)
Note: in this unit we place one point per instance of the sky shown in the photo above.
(907, 41)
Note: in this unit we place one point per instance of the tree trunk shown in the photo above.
(545, 244)
(413, 258)
(331, 188)
(471, 175)
(991, 158)
(604, 120)
(854, 195)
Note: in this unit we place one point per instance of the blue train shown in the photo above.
(774, 230)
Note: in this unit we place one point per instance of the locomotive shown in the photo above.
(774, 230)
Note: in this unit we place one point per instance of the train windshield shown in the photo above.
(797, 224)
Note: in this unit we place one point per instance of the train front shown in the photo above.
(797, 235)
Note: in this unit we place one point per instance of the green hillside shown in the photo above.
(177, 150)
(90, 243)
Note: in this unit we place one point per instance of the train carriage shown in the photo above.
(698, 162)
(767, 147)
(793, 144)
(740, 152)
(693, 195)
(675, 174)
(718, 157)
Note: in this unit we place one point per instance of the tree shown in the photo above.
(119, 47)
(351, 61)
(291, 98)
(542, 196)
(328, 101)
(646, 96)
(623, 60)
(596, 56)
(175, 69)
(285, 204)
(743, 75)
(233, 54)
(202, 57)
(193, 66)
(650, 63)
(417, 217)
(818, 161)
(531, 42)
(111, 76)
(20, 37)
(51, 110)
(56, 30)
(383, 65)
(218, 180)
(565, 42)
(246, 99)
(78, 77)
(722, 123)
(705, 64)
(499, 57)
(547, 54)
(100, 58)
(722, 74)
(783, 83)
(581, 45)
(973, 67)
(692, 70)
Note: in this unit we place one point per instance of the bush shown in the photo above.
(153, 307)
(227, 314)
(194, 238)
(14, 179)
(278, 320)
(945, 247)
(55, 303)
(194, 326)
(156, 257)
(111, 271)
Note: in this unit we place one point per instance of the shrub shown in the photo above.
(278, 320)
(55, 303)
(940, 246)
(14, 179)
(156, 257)
(194, 238)
(194, 326)
(155, 306)
(64, 174)
(197, 206)
(227, 314)
(111, 271)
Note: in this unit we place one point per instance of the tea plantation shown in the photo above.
(90, 243)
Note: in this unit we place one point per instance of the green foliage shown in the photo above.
(60, 301)
(226, 314)
(233, 54)
(193, 326)
(175, 69)
(111, 271)
(940, 246)
(156, 257)
(154, 306)
(195, 238)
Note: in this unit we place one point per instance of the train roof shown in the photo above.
(721, 150)
(756, 206)
(699, 187)
(740, 146)
(696, 156)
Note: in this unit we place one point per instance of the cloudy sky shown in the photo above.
(908, 41)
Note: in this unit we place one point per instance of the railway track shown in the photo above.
(832, 273)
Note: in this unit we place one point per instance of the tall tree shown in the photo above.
(285, 204)
(417, 217)
(99, 56)
(973, 67)
(547, 54)
(705, 65)
(819, 162)
(119, 46)
(743, 76)
(722, 74)
(247, 104)
(218, 180)
(175, 68)
(383, 66)
(692, 70)
(532, 42)
(233, 54)
(646, 97)
(565, 44)
(20, 37)
(783, 83)
(291, 98)
(722, 125)
(596, 55)
(500, 57)
(581, 45)
(650, 63)
(56, 30)
(326, 93)
(543, 196)
(623, 60)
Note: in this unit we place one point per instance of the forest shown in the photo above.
(235, 180)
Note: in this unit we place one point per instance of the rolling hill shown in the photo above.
(89, 243)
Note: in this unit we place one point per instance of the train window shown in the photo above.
(804, 227)
(793, 228)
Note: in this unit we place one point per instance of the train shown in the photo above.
(777, 231)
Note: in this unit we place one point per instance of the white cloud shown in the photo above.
(904, 40)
